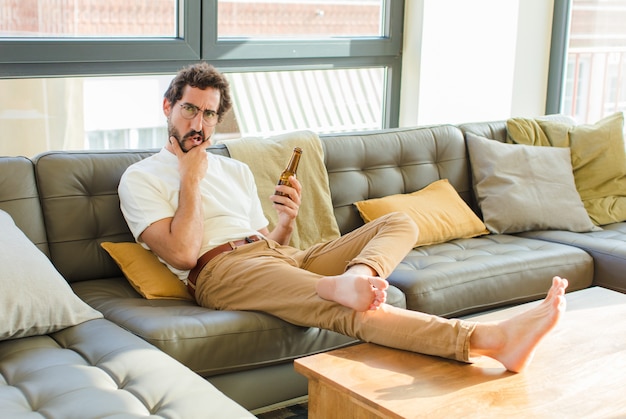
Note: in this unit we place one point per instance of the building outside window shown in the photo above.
(595, 71)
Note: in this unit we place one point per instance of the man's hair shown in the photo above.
(201, 76)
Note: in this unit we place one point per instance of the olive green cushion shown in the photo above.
(598, 160)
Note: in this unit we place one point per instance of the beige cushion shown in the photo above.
(150, 278)
(35, 298)
(524, 188)
(598, 162)
(438, 210)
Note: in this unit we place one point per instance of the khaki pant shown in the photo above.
(280, 280)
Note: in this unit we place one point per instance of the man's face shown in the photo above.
(191, 131)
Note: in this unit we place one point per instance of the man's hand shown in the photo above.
(287, 208)
(191, 165)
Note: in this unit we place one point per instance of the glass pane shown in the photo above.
(126, 112)
(88, 18)
(299, 19)
(595, 82)
(318, 100)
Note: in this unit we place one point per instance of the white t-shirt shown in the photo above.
(149, 191)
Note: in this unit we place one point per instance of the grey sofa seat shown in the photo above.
(470, 275)
(608, 248)
(95, 370)
(210, 342)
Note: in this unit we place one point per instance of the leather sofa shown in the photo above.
(67, 204)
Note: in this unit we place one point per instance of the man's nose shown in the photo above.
(197, 121)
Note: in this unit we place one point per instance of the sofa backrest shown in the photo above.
(20, 199)
(78, 189)
(494, 130)
(78, 193)
(81, 208)
(376, 164)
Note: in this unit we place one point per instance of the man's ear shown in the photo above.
(167, 107)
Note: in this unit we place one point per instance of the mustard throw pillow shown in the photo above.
(148, 276)
(598, 161)
(438, 210)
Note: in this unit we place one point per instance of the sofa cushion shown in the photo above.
(81, 208)
(143, 270)
(471, 275)
(607, 246)
(97, 370)
(598, 161)
(20, 198)
(208, 341)
(521, 188)
(35, 299)
(438, 211)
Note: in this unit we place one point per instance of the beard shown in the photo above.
(173, 132)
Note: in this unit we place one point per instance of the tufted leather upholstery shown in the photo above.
(248, 355)
(19, 197)
(462, 276)
(607, 247)
(472, 275)
(378, 164)
(78, 192)
(97, 370)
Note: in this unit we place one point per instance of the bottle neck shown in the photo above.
(293, 162)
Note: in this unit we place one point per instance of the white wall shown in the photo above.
(479, 60)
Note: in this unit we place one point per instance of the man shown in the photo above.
(186, 205)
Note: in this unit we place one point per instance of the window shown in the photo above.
(92, 18)
(298, 19)
(69, 82)
(592, 56)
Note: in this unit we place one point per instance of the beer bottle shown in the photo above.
(290, 170)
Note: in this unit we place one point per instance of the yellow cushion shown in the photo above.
(150, 278)
(438, 210)
(527, 129)
(598, 161)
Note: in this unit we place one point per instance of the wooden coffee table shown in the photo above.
(579, 370)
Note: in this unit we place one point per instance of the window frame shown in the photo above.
(67, 57)
(198, 40)
(561, 19)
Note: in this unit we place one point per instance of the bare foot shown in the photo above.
(512, 342)
(356, 291)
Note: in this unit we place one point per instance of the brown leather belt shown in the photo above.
(207, 256)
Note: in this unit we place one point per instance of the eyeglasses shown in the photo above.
(190, 111)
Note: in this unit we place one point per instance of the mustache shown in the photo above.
(194, 133)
